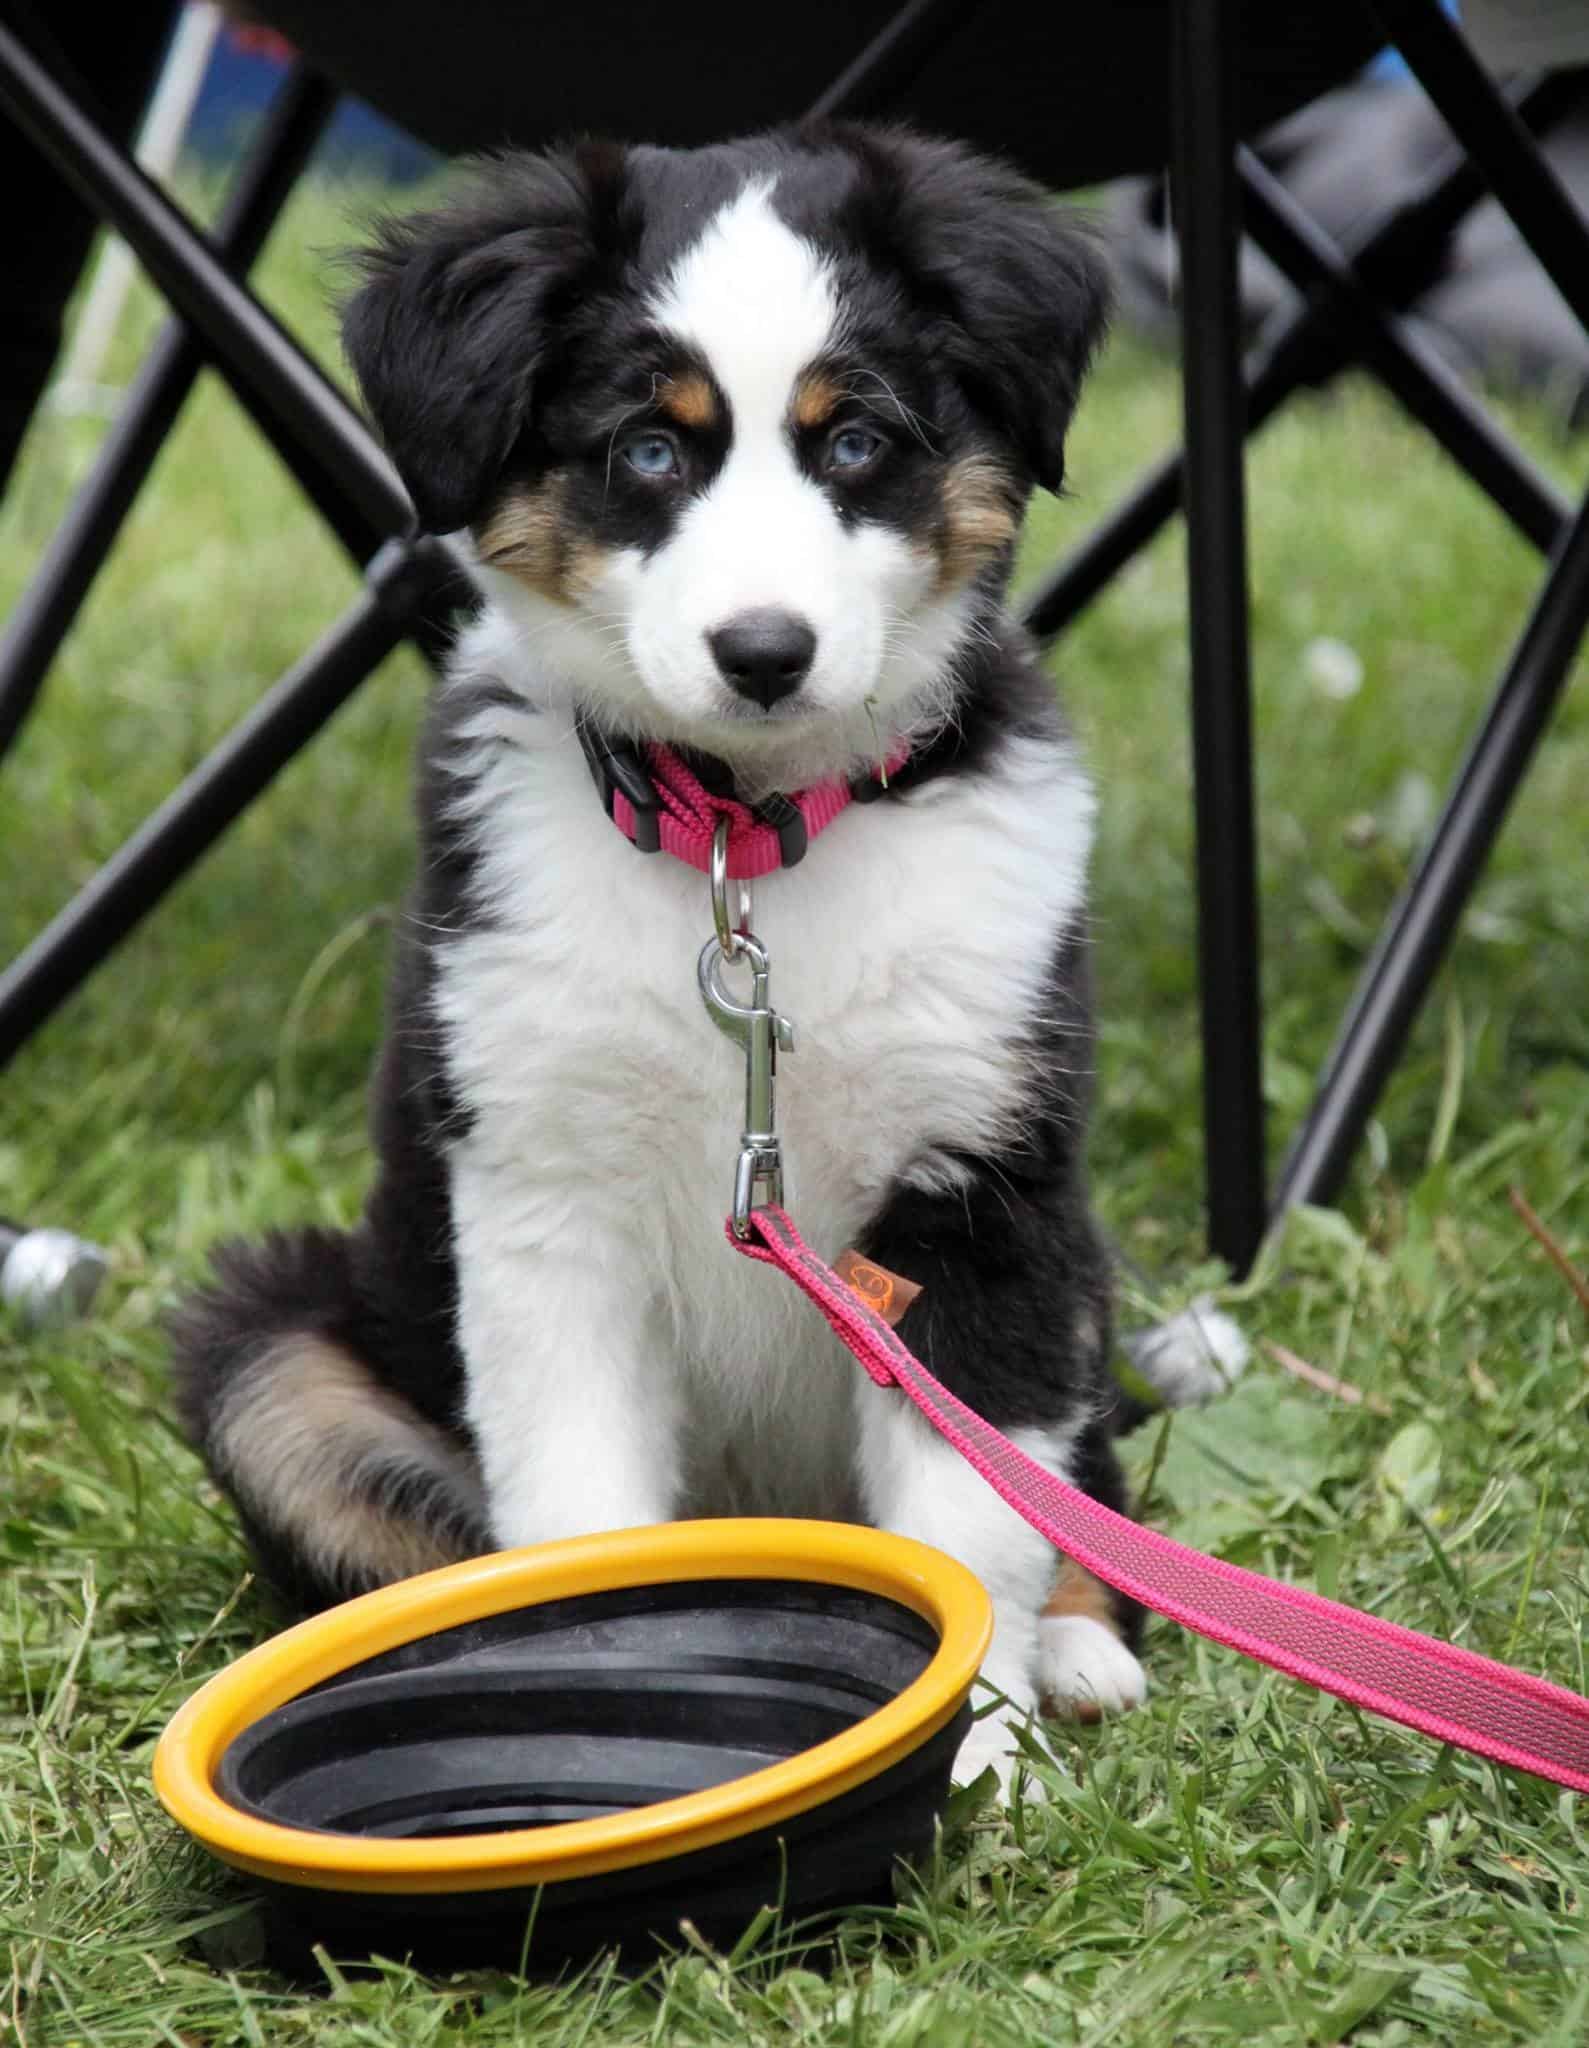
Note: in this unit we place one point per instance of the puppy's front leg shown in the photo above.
(1014, 1318)
(573, 1413)
(916, 1483)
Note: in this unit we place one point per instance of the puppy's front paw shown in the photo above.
(1084, 1671)
(991, 1744)
(995, 1741)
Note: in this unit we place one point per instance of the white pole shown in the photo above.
(160, 140)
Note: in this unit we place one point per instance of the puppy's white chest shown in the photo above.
(910, 950)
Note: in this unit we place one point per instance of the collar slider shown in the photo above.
(788, 820)
(615, 765)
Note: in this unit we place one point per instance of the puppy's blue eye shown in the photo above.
(652, 455)
(852, 448)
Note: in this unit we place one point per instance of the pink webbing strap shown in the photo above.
(688, 813)
(1450, 1693)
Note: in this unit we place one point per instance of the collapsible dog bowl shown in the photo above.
(611, 1734)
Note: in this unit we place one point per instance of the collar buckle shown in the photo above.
(615, 765)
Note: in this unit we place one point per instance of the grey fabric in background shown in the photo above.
(1484, 302)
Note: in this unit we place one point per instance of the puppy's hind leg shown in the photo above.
(340, 1482)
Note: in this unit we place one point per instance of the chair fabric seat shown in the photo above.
(1075, 95)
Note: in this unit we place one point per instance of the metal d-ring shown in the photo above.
(728, 931)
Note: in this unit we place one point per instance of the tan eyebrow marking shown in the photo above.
(817, 397)
(689, 400)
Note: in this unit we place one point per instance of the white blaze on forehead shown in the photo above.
(757, 301)
(761, 305)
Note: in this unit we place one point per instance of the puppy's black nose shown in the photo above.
(764, 653)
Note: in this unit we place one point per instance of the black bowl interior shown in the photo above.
(576, 1708)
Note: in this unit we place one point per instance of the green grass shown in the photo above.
(1242, 1857)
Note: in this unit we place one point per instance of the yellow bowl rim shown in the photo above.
(861, 1559)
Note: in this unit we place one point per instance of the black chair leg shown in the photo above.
(1429, 391)
(891, 61)
(306, 417)
(1476, 111)
(410, 583)
(1310, 341)
(1414, 942)
(413, 583)
(1203, 183)
(44, 614)
(1343, 316)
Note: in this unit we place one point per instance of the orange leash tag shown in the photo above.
(886, 1294)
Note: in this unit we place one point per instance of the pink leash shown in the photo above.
(1452, 1694)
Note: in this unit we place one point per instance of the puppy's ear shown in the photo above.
(451, 323)
(1020, 292)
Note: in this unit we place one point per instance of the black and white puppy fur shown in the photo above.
(810, 377)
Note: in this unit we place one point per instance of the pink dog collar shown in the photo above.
(661, 803)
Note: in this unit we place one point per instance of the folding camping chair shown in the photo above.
(1073, 106)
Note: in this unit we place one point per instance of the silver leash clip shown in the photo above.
(758, 1028)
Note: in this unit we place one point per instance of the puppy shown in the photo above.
(740, 440)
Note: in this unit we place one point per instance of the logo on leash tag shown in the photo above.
(886, 1294)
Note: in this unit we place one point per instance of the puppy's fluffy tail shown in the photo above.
(341, 1484)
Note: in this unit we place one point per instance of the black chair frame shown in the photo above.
(1346, 313)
